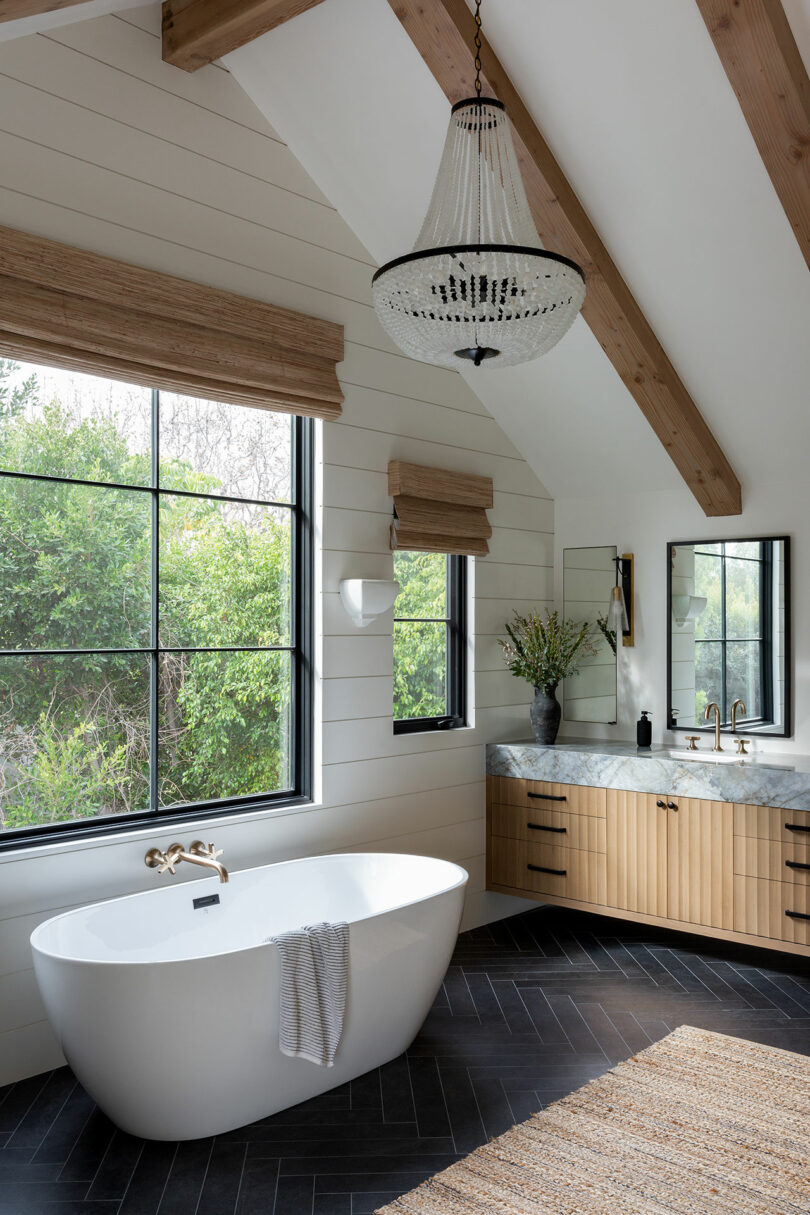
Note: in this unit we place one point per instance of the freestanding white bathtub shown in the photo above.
(168, 1013)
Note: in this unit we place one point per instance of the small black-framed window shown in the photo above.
(156, 621)
(430, 642)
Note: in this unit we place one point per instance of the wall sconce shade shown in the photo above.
(687, 608)
(367, 598)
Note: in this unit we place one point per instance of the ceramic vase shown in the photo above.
(545, 714)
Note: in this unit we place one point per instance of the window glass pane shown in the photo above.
(423, 584)
(214, 448)
(743, 615)
(708, 676)
(420, 663)
(224, 573)
(75, 568)
(752, 549)
(65, 424)
(716, 549)
(709, 584)
(224, 725)
(74, 738)
(743, 677)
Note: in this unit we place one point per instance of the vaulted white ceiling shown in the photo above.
(635, 104)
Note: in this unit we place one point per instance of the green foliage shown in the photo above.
(75, 573)
(544, 650)
(420, 657)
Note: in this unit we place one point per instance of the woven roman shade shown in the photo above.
(438, 511)
(69, 308)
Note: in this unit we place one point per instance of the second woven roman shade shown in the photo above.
(439, 511)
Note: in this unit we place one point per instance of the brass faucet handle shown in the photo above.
(741, 744)
(162, 861)
(198, 848)
(693, 740)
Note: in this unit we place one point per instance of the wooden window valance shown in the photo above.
(438, 511)
(63, 306)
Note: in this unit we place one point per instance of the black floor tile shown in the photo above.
(531, 1009)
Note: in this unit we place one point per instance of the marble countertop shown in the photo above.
(769, 779)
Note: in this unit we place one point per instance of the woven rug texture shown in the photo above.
(698, 1122)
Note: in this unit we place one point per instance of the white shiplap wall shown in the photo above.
(104, 146)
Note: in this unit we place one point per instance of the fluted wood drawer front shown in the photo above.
(771, 823)
(778, 910)
(548, 869)
(770, 859)
(545, 826)
(576, 799)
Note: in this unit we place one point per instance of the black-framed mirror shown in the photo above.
(589, 575)
(728, 634)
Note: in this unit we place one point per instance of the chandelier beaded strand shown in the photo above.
(477, 286)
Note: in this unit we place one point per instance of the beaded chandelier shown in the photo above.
(477, 285)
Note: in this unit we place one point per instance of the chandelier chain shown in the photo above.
(478, 48)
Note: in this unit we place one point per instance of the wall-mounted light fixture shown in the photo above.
(687, 608)
(620, 607)
(367, 598)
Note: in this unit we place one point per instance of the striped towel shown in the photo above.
(314, 975)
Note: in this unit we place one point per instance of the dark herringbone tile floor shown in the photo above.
(531, 1009)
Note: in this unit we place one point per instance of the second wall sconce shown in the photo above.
(620, 607)
(367, 598)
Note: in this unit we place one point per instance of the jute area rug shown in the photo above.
(697, 1123)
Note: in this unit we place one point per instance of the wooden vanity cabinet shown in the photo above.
(737, 872)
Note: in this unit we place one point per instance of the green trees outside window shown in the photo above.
(429, 641)
(148, 606)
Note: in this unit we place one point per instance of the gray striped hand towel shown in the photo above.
(312, 1003)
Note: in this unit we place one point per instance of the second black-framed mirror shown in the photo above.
(728, 634)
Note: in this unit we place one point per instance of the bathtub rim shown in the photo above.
(461, 881)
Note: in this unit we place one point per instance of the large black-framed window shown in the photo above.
(430, 642)
(155, 606)
(734, 634)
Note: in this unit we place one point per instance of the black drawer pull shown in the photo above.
(547, 797)
(671, 806)
(796, 827)
(661, 805)
(557, 830)
(556, 872)
(796, 865)
(797, 915)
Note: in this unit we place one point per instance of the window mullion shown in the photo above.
(154, 670)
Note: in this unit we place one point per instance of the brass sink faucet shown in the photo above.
(197, 854)
(738, 704)
(707, 712)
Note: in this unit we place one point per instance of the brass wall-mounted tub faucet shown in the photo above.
(197, 854)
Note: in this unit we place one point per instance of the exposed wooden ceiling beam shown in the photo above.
(196, 32)
(443, 31)
(759, 53)
(13, 10)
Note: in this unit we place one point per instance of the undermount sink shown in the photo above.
(706, 757)
(715, 757)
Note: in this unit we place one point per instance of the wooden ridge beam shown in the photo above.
(760, 57)
(443, 32)
(196, 32)
(15, 10)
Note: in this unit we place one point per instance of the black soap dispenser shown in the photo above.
(644, 729)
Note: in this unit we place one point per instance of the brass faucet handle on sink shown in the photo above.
(741, 744)
(163, 861)
(693, 740)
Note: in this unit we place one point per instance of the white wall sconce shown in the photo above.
(367, 598)
(687, 608)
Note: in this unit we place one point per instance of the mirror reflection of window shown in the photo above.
(729, 633)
